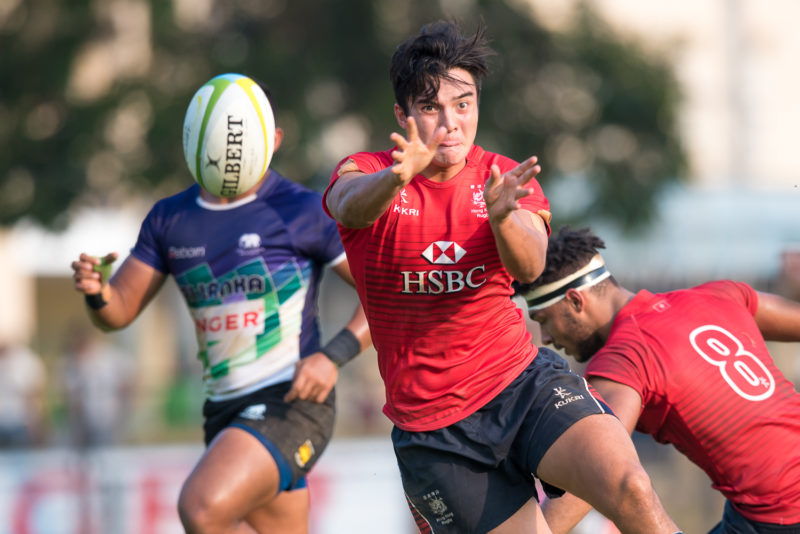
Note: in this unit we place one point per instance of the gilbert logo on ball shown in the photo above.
(228, 135)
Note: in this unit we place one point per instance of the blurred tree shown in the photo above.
(93, 95)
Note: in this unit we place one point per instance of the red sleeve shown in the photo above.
(738, 292)
(367, 162)
(538, 203)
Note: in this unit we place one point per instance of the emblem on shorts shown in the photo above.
(304, 453)
(255, 411)
(438, 507)
(566, 397)
(561, 392)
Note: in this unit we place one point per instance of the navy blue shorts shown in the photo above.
(294, 433)
(735, 523)
(474, 474)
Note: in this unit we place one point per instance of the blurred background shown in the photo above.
(670, 128)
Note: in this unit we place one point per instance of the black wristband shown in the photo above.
(95, 301)
(342, 348)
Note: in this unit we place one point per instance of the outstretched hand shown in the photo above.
(87, 279)
(413, 155)
(502, 192)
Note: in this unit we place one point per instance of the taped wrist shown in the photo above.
(95, 301)
(342, 348)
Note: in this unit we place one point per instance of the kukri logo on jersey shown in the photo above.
(436, 281)
(402, 208)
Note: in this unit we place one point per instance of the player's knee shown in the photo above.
(634, 487)
(199, 514)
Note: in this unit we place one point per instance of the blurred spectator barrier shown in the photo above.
(355, 488)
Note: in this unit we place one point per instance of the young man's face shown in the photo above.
(456, 108)
(564, 329)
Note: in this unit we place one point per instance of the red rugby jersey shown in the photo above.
(710, 387)
(436, 294)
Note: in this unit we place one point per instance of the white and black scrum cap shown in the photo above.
(592, 273)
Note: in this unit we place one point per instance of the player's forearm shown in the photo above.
(359, 327)
(521, 245)
(357, 201)
(128, 292)
(351, 341)
(563, 513)
(107, 310)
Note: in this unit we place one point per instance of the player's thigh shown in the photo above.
(235, 475)
(453, 491)
(590, 457)
(558, 402)
(287, 513)
(529, 520)
(295, 433)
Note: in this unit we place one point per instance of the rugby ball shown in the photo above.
(228, 135)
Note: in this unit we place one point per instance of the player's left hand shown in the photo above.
(502, 192)
(314, 378)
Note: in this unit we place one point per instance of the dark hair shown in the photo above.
(567, 252)
(424, 59)
(264, 87)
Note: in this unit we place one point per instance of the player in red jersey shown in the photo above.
(691, 368)
(434, 230)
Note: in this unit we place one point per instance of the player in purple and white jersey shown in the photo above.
(249, 269)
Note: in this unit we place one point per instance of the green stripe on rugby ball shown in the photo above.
(199, 111)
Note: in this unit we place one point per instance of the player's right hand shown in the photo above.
(413, 155)
(86, 279)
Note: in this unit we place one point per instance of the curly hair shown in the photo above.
(567, 252)
(419, 63)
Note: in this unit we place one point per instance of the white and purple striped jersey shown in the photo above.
(249, 272)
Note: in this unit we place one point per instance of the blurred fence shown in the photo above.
(355, 488)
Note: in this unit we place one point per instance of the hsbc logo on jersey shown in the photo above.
(437, 281)
(443, 252)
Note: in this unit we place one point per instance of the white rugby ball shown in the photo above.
(228, 135)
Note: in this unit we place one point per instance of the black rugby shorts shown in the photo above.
(294, 433)
(474, 474)
(735, 523)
